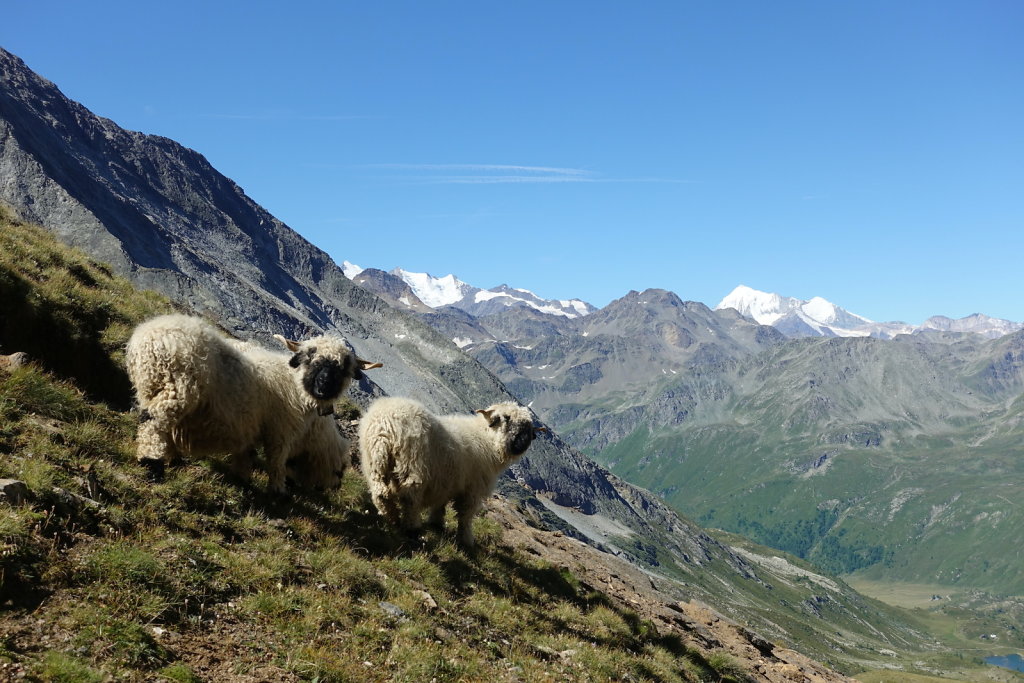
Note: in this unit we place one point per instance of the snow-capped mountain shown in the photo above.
(436, 291)
(351, 270)
(796, 317)
(977, 323)
(389, 287)
(819, 317)
(451, 291)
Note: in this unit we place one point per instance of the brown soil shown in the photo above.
(697, 624)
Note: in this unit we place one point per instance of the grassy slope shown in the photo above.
(103, 574)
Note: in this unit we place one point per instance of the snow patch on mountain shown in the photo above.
(792, 315)
(434, 291)
(351, 270)
(450, 291)
(820, 317)
(977, 322)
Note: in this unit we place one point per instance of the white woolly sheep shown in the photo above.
(325, 453)
(201, 393)
(414, 460)
(323, 457)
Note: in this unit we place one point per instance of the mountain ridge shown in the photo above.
(820, 317)
(438, 292)
(664, 393)
(793, 317)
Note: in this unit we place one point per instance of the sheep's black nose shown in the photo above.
(521, 440)
(324, 380)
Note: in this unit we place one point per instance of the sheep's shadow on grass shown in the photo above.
(490, 566)
(22, 595)
(353, 519)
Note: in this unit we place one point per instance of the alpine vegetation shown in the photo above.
(415, 460)
(200, 393)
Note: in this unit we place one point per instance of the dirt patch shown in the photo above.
(698, 625)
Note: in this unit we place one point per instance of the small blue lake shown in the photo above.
(1013, 662)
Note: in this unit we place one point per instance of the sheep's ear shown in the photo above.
(491, 422)
(368, 364)
(292, 346)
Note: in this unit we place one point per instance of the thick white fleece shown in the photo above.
(415, 460)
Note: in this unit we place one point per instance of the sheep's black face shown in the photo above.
(516, 425)
(325, 378)
(325, 367)
(520, 437)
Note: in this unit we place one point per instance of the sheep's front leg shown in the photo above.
(411, 513)
(278, 451)
(466, 510)
(241, 464)
(154, 445)
(437, 517)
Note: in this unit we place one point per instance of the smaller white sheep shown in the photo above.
(201, 393)
(325, 453)
(323, 457)
(414, 460)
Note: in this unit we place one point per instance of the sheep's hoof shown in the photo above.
(413, 538)
(278, 491)
(155, 469)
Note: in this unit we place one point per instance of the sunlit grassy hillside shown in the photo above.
(105, 575)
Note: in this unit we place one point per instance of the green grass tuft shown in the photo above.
(59, 667)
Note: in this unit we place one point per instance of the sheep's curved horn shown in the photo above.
(485, 413)
(368, 364)
(293, 346)
(538, 430)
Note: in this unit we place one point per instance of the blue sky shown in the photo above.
(871, 153)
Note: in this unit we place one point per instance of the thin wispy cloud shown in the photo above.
(489, 168)
(285, 116)
(492, 174)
